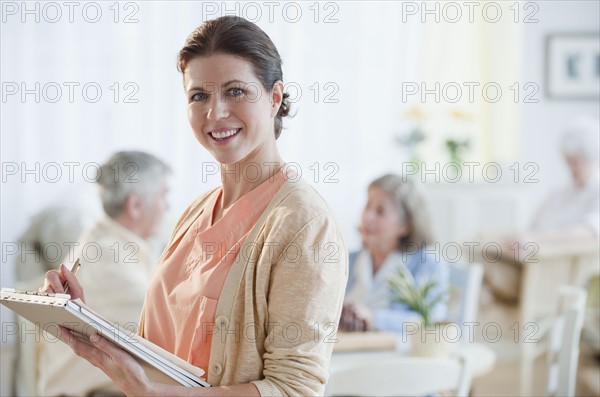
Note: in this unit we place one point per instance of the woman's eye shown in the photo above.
(199, 96)
(236, 91)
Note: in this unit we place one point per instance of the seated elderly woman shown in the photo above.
(47, 238)
(396, 232)
(569, 214)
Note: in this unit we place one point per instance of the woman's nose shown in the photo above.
(368, 217)
(218, 109)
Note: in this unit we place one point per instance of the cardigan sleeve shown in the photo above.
(304, 305)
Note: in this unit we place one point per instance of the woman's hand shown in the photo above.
(355, 318)
(56, 279)
(519, 246)
(129, 375)
(115, 362)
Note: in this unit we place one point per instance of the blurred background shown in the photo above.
(403, 87)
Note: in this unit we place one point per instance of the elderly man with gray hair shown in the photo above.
(117, 264)
(568, 214)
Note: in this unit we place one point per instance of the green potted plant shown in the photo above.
(456, 148)
(430, 338)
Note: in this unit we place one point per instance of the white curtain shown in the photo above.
(473, 56)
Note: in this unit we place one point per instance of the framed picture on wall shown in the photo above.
(573, 66)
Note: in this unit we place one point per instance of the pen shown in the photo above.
(74, 270)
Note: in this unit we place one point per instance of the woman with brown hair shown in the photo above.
(251, 283)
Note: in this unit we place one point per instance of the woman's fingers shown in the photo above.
(53, 282)
(115, 353)
(345, 320)
(56, 280)
(75, 289)
(116, 363)
(82, 347)
(70, 339)
(355, 318)
(349, 321)
(121, 367)
(66, 336)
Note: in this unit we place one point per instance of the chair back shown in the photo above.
(401, 376)
(563, 343)
(465, 287)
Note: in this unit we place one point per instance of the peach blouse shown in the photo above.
(182, 299)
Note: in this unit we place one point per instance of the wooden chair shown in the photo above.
(465, 287)
(549, 266)
(563, 342)
(553, 266)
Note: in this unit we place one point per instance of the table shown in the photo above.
(481, 357)
(385, 353)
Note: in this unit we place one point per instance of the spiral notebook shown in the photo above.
(47, 311)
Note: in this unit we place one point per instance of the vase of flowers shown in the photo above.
(411, 140)
(428, 338)
(458, 143)
(456, 149)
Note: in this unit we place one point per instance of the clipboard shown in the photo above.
(47, 311)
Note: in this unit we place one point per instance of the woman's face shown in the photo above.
(581, 168)
(381, 227)
(152, 210)
(230, 112)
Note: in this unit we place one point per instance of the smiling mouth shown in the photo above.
(223, 135)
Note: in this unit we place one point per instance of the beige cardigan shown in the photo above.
(278, 313)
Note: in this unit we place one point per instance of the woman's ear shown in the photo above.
(276, 97)
(404, 228)
(133, 205)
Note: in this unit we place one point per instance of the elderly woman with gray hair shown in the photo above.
(395, 231)
(570, 213)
